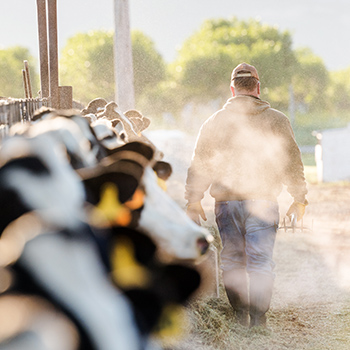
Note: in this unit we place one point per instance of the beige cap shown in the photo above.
(244, 70)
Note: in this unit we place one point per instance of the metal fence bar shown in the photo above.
(19, 110)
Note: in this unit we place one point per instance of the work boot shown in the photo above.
(260, 293)
(236, 286)
(242, 317)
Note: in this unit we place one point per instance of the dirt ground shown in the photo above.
(310, 307)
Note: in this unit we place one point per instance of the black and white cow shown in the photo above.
(51, 252)
(57, 258)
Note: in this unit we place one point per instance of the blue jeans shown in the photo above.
(248, 232)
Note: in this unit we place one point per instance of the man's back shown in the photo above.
(244, 150)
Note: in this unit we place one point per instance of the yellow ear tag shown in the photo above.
(110, 209)
(162, 184)
(136, 201)
(127, 272)
(172, 324)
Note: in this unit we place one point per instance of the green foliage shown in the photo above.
(149, 66)
(306, 123)
(11, 77)
(86, 63)
(201, 72)
(164, 97)
(310, 80)
(339, 90)
(207, 58)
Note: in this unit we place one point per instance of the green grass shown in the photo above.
(311, 174)
(308, 312)
(308, 159)
(305, 124)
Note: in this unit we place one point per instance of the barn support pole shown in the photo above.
(123, 66)
(27, 74)
(43, 52)
(66, 97)
(25, 84)
(53, 53)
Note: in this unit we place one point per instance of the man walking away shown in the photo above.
(245, 153)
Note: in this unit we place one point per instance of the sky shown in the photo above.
(321, 25)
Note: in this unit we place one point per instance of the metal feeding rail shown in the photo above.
(14, 110)
(18, 110)
(293, 226)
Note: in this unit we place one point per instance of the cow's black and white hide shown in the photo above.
(158, 216)
(51, 252)
(167, 223)
(161, 217)
(96, 147)
(64, 267)
(33, 171)
(71, 136)
(112, 188)
(108, 135)
(153, 287)
(41, 269)
(33, 323)
(157, 291)
(113, 113)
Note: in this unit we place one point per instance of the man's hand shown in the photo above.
(194, 211)
(298, 209)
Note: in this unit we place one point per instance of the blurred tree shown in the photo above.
(310, 81)
(86, 63)
(11, 78)
(206, 59)
(339, 90)
(149, 66)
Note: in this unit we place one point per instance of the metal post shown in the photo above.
(53, 53)
(27, 74)
(25, 84)
(66, 97)
(123, 66)
(43, 52)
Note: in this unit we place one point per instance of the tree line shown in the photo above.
(200, 72)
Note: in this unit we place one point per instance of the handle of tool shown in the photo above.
(293, 220)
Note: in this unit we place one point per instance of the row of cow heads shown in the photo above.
(58, 169)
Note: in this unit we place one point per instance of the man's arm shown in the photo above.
(294, 177)
(199, 173)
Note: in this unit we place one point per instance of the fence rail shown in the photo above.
(18, 110)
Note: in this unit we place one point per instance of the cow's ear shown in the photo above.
(163, 169)
(137, 147)
(123, 185)
(94, 106)
(125, 174)
(137, 122)
(146, 122)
